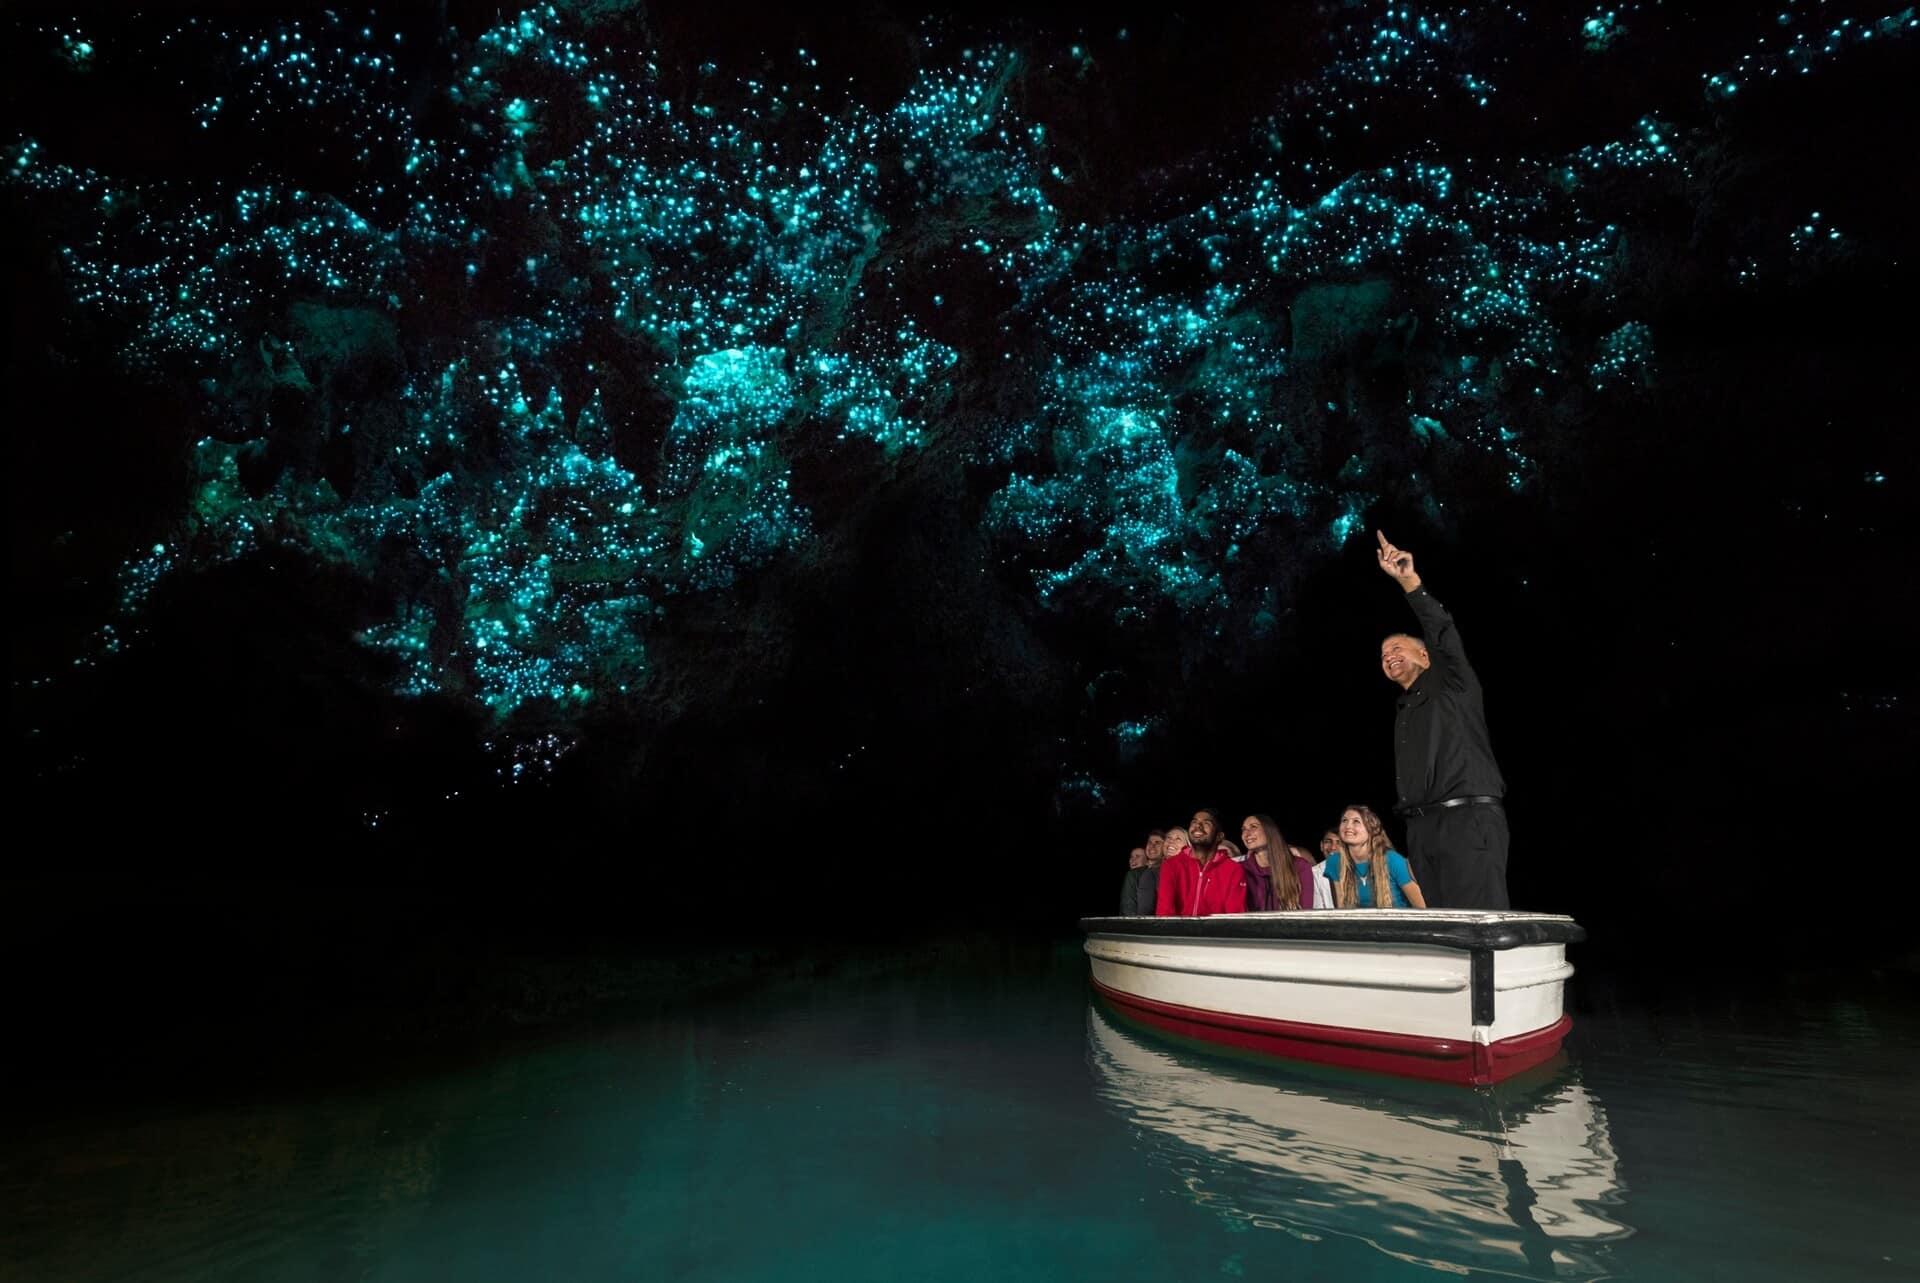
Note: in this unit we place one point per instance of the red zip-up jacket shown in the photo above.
(1187, 890)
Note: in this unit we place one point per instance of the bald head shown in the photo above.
(1403, 657)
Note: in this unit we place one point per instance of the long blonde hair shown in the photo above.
(1346, 892)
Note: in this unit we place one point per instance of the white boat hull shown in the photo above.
(1451, 995)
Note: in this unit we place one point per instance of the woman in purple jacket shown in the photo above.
(1276, 877)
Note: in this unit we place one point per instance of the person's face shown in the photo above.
(1156, 849)
(1251, 835)
(1329, 842)
(1202, 828)
(1403, 659)
(1137, 858)
(1353, 829)
(1177, 841)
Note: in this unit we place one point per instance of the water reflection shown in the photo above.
(1522, 1181)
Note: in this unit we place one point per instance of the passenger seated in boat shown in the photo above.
(1146, 892)
(1176, 841)
(1278, 876)
(1364, 850)
(1322, 893)
(1201, 878)
(1323, 889)
(1129, 885)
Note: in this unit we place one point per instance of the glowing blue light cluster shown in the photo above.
(1602, 29)
(1402, 52)
(1811, 234)
(1806, 38)
(741, 259)
(1626, 356)
(1485, 257)
(739, 268)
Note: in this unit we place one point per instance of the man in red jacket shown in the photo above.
(1202, 879)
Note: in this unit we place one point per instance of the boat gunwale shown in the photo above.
(1467, 931)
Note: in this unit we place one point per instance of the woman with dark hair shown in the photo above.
(1366, 860)
(1277, 878)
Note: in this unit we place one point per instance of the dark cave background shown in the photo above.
(1691, 623)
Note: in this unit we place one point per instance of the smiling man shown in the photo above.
(1203, 879)
(1450, 788)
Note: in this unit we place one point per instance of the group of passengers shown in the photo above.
(1198, 870)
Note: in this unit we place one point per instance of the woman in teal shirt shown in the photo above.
(1363, 849)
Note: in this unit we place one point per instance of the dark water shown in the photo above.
(972, 1117)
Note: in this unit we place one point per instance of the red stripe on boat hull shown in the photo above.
(1449, 1060)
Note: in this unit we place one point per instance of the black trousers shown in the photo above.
(1459, 856)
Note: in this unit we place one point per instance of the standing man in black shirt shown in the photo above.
(1450, 787)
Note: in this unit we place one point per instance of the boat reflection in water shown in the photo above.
(1518, 1180)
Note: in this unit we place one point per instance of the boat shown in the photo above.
(1451, 995)
(1521, 1180)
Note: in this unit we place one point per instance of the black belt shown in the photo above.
(1431, 807)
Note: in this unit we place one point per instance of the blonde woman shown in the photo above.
(1176, 841)
(1365, 860)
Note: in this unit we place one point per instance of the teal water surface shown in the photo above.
(972, 1115)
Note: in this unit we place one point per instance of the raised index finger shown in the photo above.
(1384, 545)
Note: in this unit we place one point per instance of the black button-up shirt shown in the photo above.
(1440, 745)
